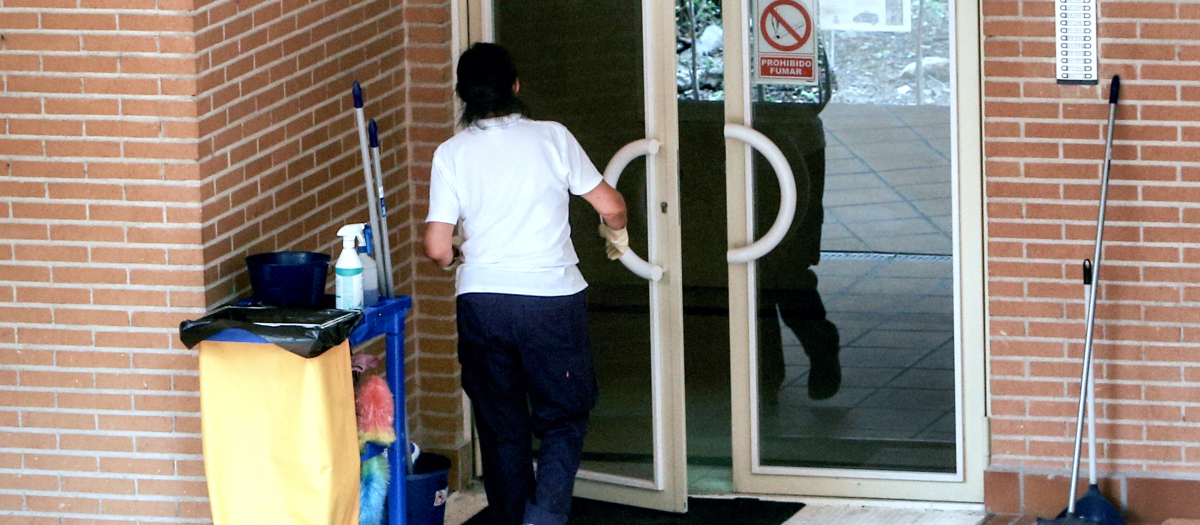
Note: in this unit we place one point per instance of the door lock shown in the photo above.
(663, 205)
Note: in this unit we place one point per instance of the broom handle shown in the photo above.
(1091, 310)
(1091, 386)
(372, 201)
(384, 258)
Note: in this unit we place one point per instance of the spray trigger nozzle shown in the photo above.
(351, 232)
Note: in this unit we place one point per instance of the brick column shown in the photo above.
(100, 261)
(148, 147)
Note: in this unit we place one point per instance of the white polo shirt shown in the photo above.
(508, 179)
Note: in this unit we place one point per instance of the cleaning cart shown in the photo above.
(277, 414)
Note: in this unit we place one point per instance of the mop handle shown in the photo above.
(1091, 383)
(1091, 310)
(386, 255)
(360, 119)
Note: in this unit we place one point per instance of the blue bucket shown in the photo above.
(427, 489)
(290, 279)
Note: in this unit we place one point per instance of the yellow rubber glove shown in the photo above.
(616, 242)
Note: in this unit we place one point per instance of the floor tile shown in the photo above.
(897, 419)
(856, 212)
(860, 136)
(934, 207)
(882, 357)
(866, 303)
(932, 190)
(916, 176)
(940, 359)
(924, 378)
(927, 243)
(843, 166)
(941, 269)
(868, 376)
(837, 152)
(927, 340)
(896, 285)
(911, 398)
(858, 197)
(922, 157)
(891, 228)
(853, 181)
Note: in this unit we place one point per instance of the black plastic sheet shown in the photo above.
(306, 333)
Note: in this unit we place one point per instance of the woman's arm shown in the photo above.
(439, 246)
(609, 203)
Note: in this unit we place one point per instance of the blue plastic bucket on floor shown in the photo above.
(291, 279)
(427, 490)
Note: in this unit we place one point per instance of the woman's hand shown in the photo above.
(616, 242)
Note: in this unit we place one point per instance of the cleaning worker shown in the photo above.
(522, 322)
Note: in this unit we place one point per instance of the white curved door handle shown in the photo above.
(612, 173)
(787, 195)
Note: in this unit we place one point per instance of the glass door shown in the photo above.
(820, 244)
(856, 341)
(605, 70)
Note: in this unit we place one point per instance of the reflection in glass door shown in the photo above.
(855, 308)
(855, 367)
(855, 350)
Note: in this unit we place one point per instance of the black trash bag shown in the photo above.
(306, 333)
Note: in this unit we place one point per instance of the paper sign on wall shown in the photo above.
(785, 49)
(866, 15)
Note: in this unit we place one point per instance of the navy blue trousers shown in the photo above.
(527, 367)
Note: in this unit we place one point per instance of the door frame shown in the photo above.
(965, 485)
(669, 489)
(472, 23)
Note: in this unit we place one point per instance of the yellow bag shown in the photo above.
(280, 436)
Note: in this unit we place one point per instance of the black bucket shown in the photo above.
(427, 490)
(291, 279)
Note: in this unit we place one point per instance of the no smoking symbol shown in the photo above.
(785, 25)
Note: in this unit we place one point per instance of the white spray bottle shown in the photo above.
(348, 271)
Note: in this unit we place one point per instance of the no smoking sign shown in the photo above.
(785, 50)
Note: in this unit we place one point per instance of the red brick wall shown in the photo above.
(431, 113)
(99, 260)
(279, 154)
(147, 148)
(1044, 150)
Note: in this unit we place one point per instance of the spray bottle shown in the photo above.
(370, 270)
(348, 271)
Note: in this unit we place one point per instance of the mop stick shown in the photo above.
(1091, 378)
(1090, 312)
(366, 159)
(386, 255)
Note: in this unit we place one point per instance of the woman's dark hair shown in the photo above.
(486, 76)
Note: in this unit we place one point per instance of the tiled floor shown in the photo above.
(895, 409)
(887, 179)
